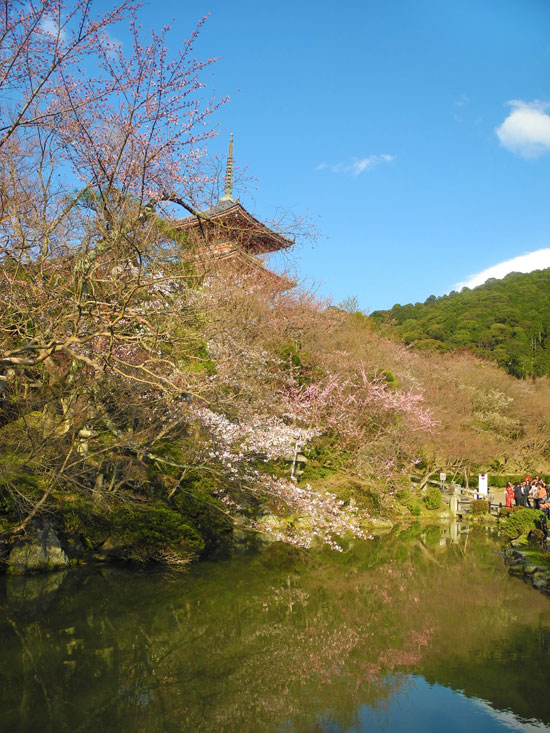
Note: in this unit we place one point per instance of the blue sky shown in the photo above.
(414, 133)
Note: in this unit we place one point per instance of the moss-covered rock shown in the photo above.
(208, 516)
(540, 580)
(530, 564)
(155, 533)
(18, 482)
(40, 554)
(84, 525)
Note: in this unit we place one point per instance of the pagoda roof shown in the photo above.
(256, 266)
(233, 223)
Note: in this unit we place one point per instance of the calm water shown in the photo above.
(412, 632)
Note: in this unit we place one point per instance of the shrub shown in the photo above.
(390, 378)
(520, 522)
(410, 501)
(324, 457)
(412, 532)
(505, 511)
(499, 482)
(433, 499)
(479, 506)
(433, 536)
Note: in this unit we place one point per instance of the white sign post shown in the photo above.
(483, 484)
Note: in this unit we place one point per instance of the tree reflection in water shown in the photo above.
(276, 641)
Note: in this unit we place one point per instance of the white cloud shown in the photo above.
(526, 130)
(508, 719)
(538, 260)
(50, 26)
(357, 165)
(110, 44)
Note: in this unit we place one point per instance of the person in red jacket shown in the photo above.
(509, 495)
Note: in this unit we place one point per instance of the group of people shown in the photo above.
(532, 493)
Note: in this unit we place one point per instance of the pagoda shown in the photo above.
(228, 233)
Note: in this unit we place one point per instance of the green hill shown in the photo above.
(505, 320)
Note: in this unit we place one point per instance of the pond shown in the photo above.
(416, 631)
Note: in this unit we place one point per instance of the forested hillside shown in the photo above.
(505, 320)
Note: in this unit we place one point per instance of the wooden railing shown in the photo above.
(464, 498)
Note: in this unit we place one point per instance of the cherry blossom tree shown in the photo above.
(97, 136)
(85, 161)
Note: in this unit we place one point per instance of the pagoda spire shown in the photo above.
(228, 192)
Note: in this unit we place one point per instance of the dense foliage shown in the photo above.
(433, 499)
(506, 320)
(521, 522)
(480, 506)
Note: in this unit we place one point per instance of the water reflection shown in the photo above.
(282, 642)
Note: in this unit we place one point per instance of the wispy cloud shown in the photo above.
(50, 26)
(507, 719)
(538, 260)
(526, 130)
(460, 103)
(358, 165)
(110, 44)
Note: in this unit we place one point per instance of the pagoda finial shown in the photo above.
(228, 193)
